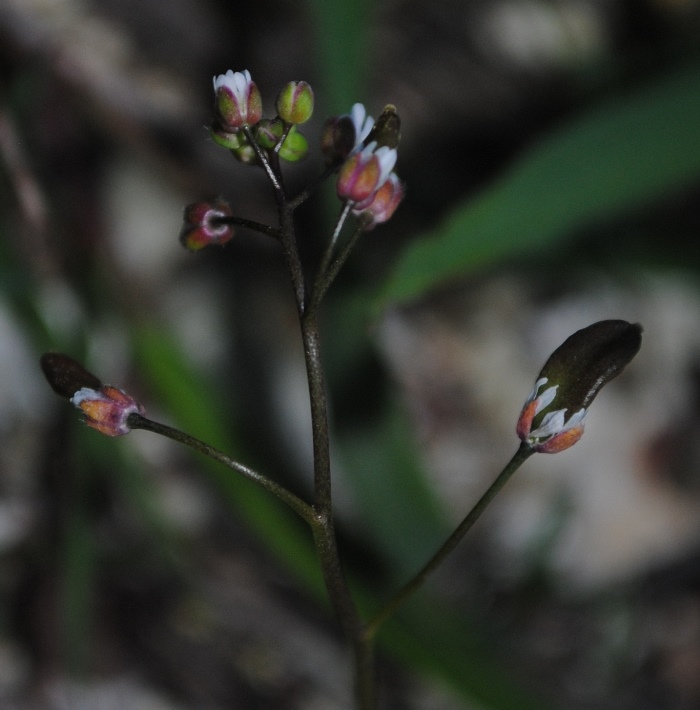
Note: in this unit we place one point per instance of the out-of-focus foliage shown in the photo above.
(627, 153)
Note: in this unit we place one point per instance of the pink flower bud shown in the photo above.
(363, 173)
(238, 100)
(203, 225)
(382, 205)
(343, 135)
(107, 409)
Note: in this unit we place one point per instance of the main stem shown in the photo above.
(323, 525)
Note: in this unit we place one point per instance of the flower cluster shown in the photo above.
(366, 153)
(359, 149)
(239, 118)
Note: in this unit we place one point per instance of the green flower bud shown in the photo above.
(232, 140)
(295, 103)
(268, 132)
(245, 154)
(295, 146)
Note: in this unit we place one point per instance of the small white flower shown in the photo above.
(236, 82)
(238, 101)
(555, 432)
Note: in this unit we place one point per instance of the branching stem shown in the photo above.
(137, 421)
(520, 456)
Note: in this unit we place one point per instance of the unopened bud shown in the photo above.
(387, 128)
(382, 205)
(107, 409)
(295, 103)
(345, 134)
(363, 173)
(337, 139)
(554, 414)
(268, 132)
(204, 224)
(295, 146)
(226, 138)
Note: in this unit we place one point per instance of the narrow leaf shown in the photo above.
(627, 152)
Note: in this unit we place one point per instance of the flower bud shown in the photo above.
(268, 132)
(245, 154)
(66, 375)
(226, 138)
(295, 103)
(106, 408)
(387, 129)
(572, 377)
(295, 146)
(363, 173)
(204, 225)
(238, 100)
(382, 205)
(344, 134)
(337, 139)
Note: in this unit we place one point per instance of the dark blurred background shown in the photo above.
(551, 151)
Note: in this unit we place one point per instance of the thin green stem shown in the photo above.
(136, 421)
(285, 232)
(262, 157)
(249, 223)
(521, 455)
(321, 284)
(287, 129)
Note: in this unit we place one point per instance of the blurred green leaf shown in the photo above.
(444, 645)
(400, 512)
(341, 39)
(195, 407)
(630, 151)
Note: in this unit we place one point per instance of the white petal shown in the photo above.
(551, 424)
(86, 393)
(387, 159)
(362, 122)
(546, 398)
